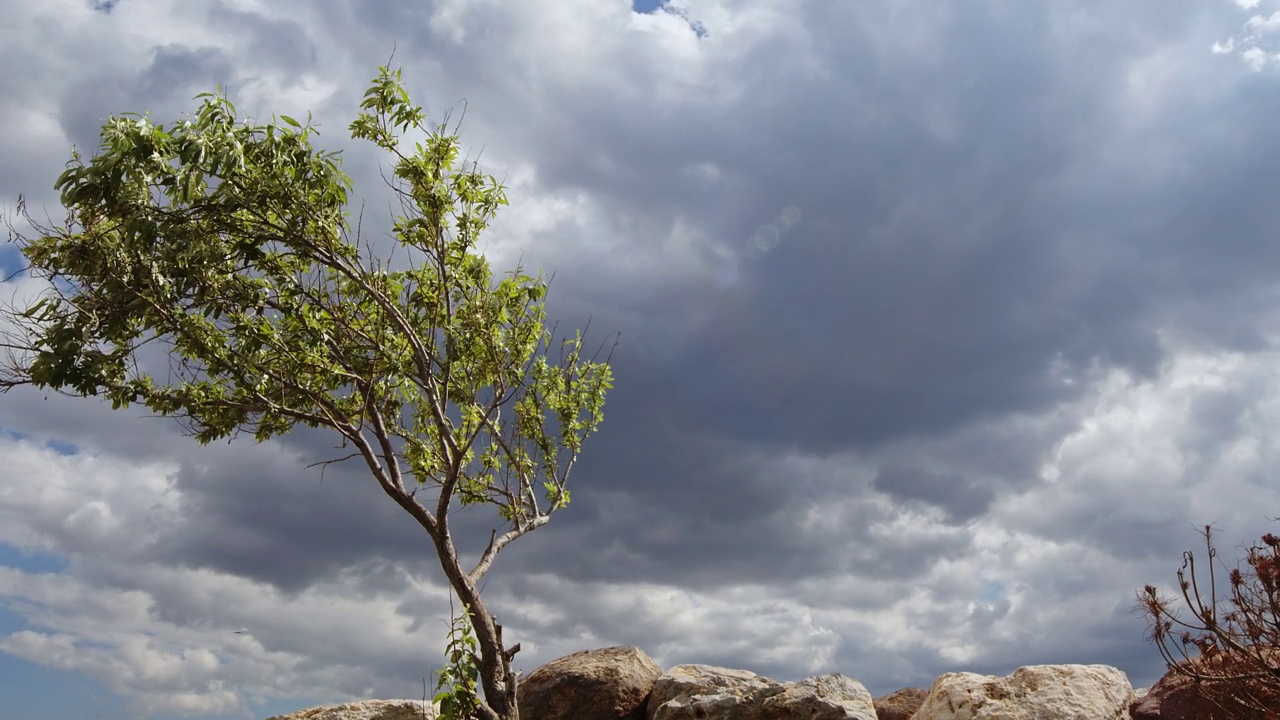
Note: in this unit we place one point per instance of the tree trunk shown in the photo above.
(496, 676)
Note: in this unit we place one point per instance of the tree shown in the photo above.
(225, 246)
(1230, 647)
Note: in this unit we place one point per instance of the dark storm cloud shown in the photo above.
(933, 277)
(283, 45)
(702, 514)
(174, 75)
(916, 310)
(954, 493)
(936, 273)
(282, 524)
(269, 517)
(923, 279)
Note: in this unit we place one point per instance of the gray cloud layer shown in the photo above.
(942, 328)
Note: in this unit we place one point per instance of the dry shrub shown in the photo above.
(1229, 646)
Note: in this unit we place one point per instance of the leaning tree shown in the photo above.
(226, 248)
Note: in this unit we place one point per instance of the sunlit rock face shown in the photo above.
(366, 710)
(1035, 692)
(704, 692)
(611, 683)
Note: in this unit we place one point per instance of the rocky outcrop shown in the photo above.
(704, 692)
(900, 704)
(367, 710)
(623, 683)
(1174, 697)
(609, 684)
(1035, 692)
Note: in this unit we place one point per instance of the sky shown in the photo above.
(942, 327)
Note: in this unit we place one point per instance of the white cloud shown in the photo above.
(1263, 24)
(80, 503)
(752, 625)
(1189, 442)
(1126, 474)
(163, 635)
(1251, 43)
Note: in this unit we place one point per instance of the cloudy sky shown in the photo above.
(943, 327)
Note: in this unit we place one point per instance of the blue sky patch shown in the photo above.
(32, 561)
(59, 446)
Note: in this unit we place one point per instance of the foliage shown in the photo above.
(224, 247)
(1230, 647)
(456, 682)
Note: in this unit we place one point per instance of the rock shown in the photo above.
(1174, 697)
(1036, 692)
(1178, 697)
(366, 710)
(703, 692)
(607, 684)
(900, 704)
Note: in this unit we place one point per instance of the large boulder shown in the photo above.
(367, 710)
(900, 704)
(1036, 692)
(703, 692)
(607, 684)
(1174, 697)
